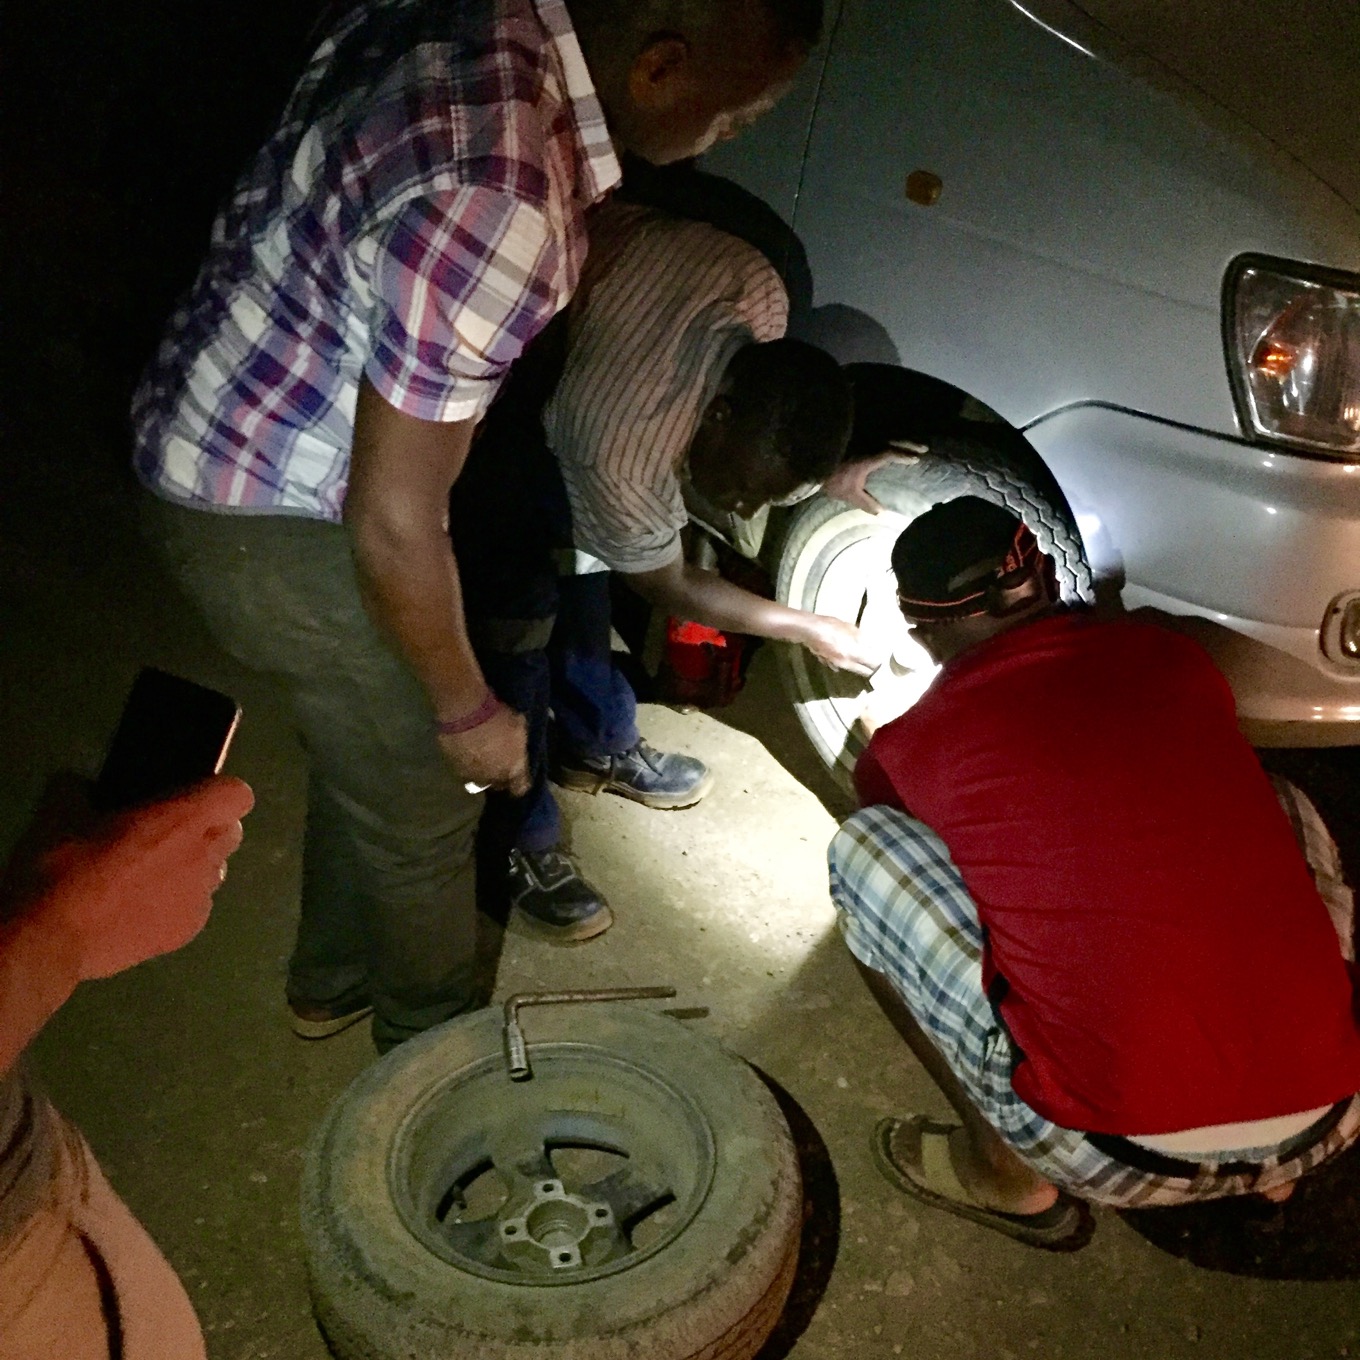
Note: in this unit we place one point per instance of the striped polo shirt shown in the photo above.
(664, 304)
(416, 219)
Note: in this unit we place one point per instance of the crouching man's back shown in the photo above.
(1073, 883)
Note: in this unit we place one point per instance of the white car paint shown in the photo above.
(1102, 167)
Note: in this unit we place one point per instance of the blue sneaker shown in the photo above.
(656, 779)
(555, 902)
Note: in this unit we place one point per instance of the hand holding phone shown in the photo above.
(142, 885)
(172, 734)
(137, 881)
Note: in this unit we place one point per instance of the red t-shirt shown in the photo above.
(1154, 940)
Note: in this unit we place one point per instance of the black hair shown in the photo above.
(796, 23)
(798, 398)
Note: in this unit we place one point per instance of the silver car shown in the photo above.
(1127, 238)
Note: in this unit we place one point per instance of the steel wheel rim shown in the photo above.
(548, 1230)
(845, 570)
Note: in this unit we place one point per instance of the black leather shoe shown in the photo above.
(656, 779)
(555, 902)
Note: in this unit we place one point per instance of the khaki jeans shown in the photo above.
(389, 907)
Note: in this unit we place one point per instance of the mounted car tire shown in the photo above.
(835, 559)
(638, 1198)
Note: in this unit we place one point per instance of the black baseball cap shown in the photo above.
(958, 559)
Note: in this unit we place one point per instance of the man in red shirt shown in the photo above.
(1084, 906)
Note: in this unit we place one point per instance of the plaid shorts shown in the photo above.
(905, 913)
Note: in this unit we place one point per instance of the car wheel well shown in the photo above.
(895, 404)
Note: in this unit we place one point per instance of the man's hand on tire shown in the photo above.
(847, 483)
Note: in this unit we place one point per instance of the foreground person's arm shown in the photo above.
(705, 597)
(89, 905)
(396, 511)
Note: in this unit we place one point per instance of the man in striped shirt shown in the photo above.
(676, 380)
(415, 220)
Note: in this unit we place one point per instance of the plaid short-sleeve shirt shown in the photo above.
(416, 219)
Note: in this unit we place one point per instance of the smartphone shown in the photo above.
(172, 733)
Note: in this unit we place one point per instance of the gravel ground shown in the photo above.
(194, 1095)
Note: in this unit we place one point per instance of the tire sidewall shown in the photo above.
(987, 464)
(379, 1293)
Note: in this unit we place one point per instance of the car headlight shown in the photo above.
(1293, 337)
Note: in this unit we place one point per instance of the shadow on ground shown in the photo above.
(1314, 1235)
(821, 1226)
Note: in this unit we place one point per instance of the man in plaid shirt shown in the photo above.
(416, 219)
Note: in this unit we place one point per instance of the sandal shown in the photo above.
(913, 1153)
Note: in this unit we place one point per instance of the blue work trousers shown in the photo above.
(541, 633)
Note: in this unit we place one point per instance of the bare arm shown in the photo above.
(37, 975)
(396, 512)
(704, 596)
(91, 902)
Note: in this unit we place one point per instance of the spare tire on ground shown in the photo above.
(638, 1198)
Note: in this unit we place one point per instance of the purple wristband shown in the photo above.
(484, 712)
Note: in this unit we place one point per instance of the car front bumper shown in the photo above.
(1247, 546)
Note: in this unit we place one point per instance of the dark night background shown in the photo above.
(123, 128)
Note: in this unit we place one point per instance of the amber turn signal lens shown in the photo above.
(1273, 358)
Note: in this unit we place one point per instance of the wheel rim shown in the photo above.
(588, 1169)
(845, 570)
